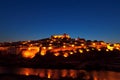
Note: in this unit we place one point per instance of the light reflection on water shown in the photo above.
(63, 73)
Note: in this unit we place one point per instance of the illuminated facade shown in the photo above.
(57, 45)
(61, 36)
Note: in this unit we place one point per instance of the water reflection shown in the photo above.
(42, 73)
(63, 73)
(73, 73)
(105, 75)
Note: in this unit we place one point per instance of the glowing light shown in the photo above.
(65, 55)
(51, 41)
(99, 49)
(61, 36)
(95, 78)
(72, 45)
(116, 44)
(93, 44)
(71, 52)
(49, 48)
(110, 47)
(107, 50)
(27, 74)
(56, 54)
(64, 46)
(118, 48)
(102, 43)
(29, 48)
(44, 47)
(87, 50)
(49, 73)
(50, 44)
(28, 54)
(55, 36)
(82, 44)
(43, 52)
(31, 45)
(81, 51)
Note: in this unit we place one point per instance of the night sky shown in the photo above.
(37, 19)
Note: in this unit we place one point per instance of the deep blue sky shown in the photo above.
(36, 19)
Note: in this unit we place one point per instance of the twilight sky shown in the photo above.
(36, 19)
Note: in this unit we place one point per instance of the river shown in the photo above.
(56, 74)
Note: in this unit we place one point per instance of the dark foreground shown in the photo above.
(23, 77)
(90, 61)
(18, 77)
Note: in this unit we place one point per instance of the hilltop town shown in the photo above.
(60, 49)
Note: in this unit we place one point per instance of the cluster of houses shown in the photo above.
(56, 45)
